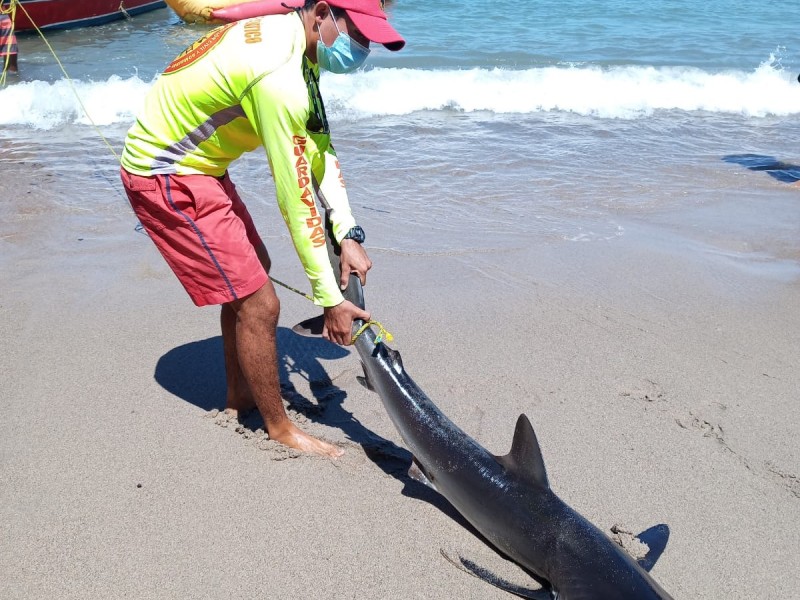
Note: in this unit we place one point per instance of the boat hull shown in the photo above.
(68, 14)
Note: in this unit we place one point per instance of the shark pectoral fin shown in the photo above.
(415, 472)
(470, 567)
(525, 457)
(310, 327)
(365, 380)
(656, 538)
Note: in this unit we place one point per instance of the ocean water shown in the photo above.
(500, 125)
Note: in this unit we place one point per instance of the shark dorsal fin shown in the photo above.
(525, 457)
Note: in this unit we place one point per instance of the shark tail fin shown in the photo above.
(525, 457)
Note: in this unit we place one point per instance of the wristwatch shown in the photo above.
(356, 234)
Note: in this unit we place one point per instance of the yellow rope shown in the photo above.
(288, 287)
(69, 79)
(381, 332)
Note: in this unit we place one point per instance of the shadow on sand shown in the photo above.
(195, 373)
(784, 172)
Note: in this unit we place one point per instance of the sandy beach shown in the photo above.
(663, 386)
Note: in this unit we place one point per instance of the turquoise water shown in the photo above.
(712, 35)
(541, 122)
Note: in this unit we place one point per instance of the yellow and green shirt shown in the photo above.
(244, 85)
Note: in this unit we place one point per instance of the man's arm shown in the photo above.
(353, 257)
(279, 118)
(330, 187)
(277, 108)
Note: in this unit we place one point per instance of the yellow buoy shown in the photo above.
(199, 11)
(224, 11)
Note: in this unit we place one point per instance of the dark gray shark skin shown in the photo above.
(507, 499)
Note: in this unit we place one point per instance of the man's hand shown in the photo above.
(353, 259)
(339, 319)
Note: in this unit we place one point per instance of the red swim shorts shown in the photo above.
(203, 231)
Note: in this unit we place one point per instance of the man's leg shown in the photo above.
(218, 257)
(256, 321)
(239, 398)
(249, 334)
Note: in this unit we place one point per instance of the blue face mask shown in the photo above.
(343, 56)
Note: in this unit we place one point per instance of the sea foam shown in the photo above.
(618, 92)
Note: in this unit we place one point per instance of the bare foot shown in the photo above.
(296, 438)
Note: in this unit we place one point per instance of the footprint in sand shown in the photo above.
(709, 430)
(645, 390)
(788, 480)
(261, 440)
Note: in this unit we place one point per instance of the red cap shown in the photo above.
(368, 17)
(371, 21)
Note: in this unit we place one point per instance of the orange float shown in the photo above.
(212, 12)
(224, 11)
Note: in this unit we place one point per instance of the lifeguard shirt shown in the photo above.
(244, 85)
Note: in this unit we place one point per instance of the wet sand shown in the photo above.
(662, 383)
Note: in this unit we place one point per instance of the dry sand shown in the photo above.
(663, 388)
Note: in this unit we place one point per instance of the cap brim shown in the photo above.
(377, 29)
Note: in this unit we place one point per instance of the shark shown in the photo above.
(507, 499)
